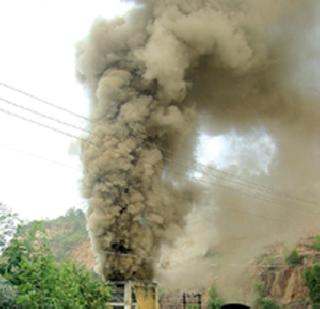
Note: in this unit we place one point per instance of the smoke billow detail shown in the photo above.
(157, 77)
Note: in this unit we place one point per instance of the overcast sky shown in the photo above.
(38, 176)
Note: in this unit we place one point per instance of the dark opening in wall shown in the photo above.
(235, 306)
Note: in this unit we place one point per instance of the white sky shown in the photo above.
(251, 153)
(37, 55)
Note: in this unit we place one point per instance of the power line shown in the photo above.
(235, 179)
(216, 173)
(258, 194)
(84, 140)
(67, 134)
(9, 113)
(164, 150)
(117, 254)
(43, 115)
(32, 96)
(260, 187)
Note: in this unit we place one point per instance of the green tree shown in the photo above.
(312, 277)
(41, 282)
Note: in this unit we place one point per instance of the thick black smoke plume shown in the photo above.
(157, 77)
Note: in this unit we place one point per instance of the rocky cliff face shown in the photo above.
(286, 286)
(283, 281)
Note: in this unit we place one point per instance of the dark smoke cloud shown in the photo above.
(157, 77)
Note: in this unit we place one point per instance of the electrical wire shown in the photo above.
(86, 141)
(34, 97)
(54, 129)
(59, 131)
(216, 172)
(43, 115)
(236, 180)
(221, 175)
(36, 156)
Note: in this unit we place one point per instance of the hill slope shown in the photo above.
(68, 238)
(282, 276)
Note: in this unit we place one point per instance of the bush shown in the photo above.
(215, 302)
(294, 258)
(41, 282)
(267, 303)
(8, 294)
(312, 277)
(316, 243)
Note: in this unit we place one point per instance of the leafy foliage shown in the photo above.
(267, 303)
(41, 282)
(215, 302)
(294, 258)
(316, 243)
(312, 277)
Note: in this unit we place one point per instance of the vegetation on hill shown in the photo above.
(35, 279)
(64, 233)
(67, 232)
(316, 243)
(36, 267)
(312, 277)
(266, 303)
(292, 281)
(294, 258)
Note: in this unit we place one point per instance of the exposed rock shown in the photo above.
(285, 283)
(82, 254)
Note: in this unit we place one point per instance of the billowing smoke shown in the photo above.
(160, 76)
